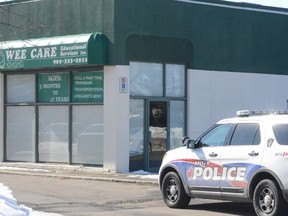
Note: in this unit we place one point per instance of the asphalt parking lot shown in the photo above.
(89, 191)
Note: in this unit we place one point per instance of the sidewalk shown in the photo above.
(76, 172)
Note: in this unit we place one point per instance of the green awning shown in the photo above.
(82, 49)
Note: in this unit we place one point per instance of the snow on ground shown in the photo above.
(143, 174)
(22, 169)
(9, 206)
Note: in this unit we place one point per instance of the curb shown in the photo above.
(74, 172)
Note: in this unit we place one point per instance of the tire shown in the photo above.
(173, 191)
(268, 199)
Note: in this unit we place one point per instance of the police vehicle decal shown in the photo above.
(204, 173)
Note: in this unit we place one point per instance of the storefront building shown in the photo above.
(117, 83)
(56, 100)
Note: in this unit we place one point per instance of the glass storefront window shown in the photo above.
(175, 80)
(20, 137)
(21, 88)
(177, 123)
(53, 133)
(146, 79)
(155, 87)
(87, 130)
(57, 93)
(136, 145)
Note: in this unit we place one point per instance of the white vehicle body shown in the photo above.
(233, 160)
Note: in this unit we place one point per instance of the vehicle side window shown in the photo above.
(215, 137)
(246, 134)
(281, 133)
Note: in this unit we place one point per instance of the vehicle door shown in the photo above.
(240, 159)
(203, 162)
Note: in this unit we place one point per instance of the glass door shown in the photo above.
(157, 134)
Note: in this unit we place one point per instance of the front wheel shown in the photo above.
(173, 191)
(268, 199)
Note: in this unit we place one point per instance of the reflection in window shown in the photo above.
(177, 123)
(136, 120)
(175, 80)
(136, 145)
(87, 130)
(20, 138)
(53, 133)
(146, 79)
(281, 133)
(246, 134)
(215, 137)
(20, 88)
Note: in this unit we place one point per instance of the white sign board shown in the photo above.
(123, 84)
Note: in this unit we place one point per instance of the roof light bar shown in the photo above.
(246, 113)
(243, 113)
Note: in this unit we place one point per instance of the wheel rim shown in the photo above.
(172, 190)
(267, 200)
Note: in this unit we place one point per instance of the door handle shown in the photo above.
(253, 154)
(213, 154)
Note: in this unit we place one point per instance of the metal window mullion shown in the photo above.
(168, 125)
(186, 101)
(70, 120)
(164, 80)
(36, 147)
(5, 119)
(5, 134)
(146, 134)
(36, 111)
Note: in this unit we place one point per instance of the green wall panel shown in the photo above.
(47, 18)
(223, 38)
(206, 37)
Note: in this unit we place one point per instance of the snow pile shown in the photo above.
(9, 206)
(143, 174)
(23, 169)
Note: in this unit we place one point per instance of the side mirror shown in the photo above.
(185, 140)
(188, 143)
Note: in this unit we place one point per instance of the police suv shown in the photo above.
(243, 159)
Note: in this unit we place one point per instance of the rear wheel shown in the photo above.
(268, 199)
(173, 191)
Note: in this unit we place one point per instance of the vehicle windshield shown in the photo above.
(281, 133)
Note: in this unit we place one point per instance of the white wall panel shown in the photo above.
(213, 95)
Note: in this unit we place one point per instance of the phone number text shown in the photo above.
(70, 61)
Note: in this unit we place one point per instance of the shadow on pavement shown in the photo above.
(233, 208)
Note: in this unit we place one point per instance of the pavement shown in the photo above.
(76, 172)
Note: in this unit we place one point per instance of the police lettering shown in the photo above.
(219, 173)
